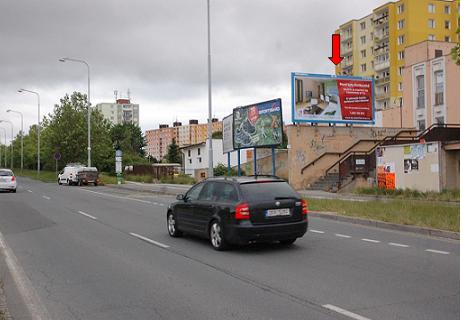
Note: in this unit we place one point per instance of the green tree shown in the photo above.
(173, 155)
(217, 135)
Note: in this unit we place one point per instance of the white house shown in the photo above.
(196, 158)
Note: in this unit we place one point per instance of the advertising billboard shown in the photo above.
(258, 125)
(227, 141)
(332, 99)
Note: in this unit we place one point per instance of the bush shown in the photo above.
(180, 179)
(221, 170)
(445, 195)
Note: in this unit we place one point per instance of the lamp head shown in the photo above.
(62, 60)
(8, 110)
(20, 90)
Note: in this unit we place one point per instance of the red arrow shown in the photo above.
(336, 49)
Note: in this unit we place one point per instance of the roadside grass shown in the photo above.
(107, 178)
(180, 179)
(446, 195)
(420, 213)
(139, 178)
(45, 176)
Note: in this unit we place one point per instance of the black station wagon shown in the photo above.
(240, 210)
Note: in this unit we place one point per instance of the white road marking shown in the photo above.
(149, 240)
(344, 312)
(120, 197)
(88, 215)
(29, 191)
(343, 235)
(371, 241)
(161, 204)
(398, 244)
(437, 251)
(46, 197)
(316, 231)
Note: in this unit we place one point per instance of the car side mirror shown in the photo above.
(180, 197)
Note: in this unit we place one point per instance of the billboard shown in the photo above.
(332, 99)
(227, 142)
(258, 125)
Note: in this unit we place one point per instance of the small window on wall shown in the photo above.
(401, 40)
(401, 55)
(431, 8)
(438, 53)
(198, 151)
(363, 53)
(447, 10)
(188, 153)
(362, 25)
(431, 23)
(401, 71)
(439, 120)
(421, 124)
(363, 67)
(447, 24)
(400, 9)
(431, 37)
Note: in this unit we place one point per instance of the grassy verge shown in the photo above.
(139, 178)
(407, 212)
(445, 195)
(179, 179)
(45, 176)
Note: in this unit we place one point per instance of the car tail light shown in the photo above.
(242, 211)
(13, 178)
(304, 207)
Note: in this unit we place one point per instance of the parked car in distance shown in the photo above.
(69, 174)
(239, 210)
(87, 175)
(7, 180)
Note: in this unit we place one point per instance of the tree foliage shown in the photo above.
(173, 155)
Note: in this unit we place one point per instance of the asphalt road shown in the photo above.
(104, 253)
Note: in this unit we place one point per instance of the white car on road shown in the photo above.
(69, 175)
(7, 180)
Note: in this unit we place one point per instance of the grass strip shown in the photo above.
(407, 212)
(448, 195)
(51, 177)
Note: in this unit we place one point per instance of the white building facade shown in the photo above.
(120, 112)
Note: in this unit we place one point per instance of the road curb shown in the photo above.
(162, 189)
(385, 225)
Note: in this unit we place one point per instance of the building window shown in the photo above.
(421, 124)
(439, 120)
(198, 151)
(385, 104)
(400, 86)
(400, 9)
(401, 55)
(438, 53)
(363, 40)
(431, 23)
(447, 25)
(431, 37)
(419, 91)
(363, 67)
(401, 71)
(431, 8)
(447, 39)
(447, 10)
(188, 153)
(438, 80)
(363, 53)
(400, 24)
(362, 25)
(401, 40)
(199, 159)
(190, 161)
(385, 89)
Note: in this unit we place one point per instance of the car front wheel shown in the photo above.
(172, 225)
(217, 237)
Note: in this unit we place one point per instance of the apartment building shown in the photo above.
(375, 45)
(159, 139)
(120, 112)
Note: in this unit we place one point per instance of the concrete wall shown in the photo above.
(306, 143)
(264, 164)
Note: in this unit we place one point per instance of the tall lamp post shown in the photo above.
(210, 128)
(38, 125)
(22, 135)
(4, 135)
(88, 103)
(11, 143)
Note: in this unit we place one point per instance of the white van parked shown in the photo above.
(69, 174)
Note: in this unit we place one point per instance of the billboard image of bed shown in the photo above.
(258, 125)
(332, 99)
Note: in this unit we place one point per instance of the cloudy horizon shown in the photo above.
(158, 50)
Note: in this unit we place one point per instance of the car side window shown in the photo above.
(194, 193)
(226, 193)
(207, 193)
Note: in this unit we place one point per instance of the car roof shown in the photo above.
(246, 179)
(6, 170)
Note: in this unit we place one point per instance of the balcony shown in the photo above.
(381, 19)
(381, 37)
(382, 81)
(381, 96)
(345, 50)
(382, 65)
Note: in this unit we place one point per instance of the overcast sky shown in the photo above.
(158, 50)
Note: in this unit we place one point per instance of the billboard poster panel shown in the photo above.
(227, 142)
(332, 99)
(258, 125)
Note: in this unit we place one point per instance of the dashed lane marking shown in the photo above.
(148, 240)
(436, 251)
(87, 215)
(342, 311)
(29, 191)
(343, 235)
(398, 244)
(46, 197)
(371, 241)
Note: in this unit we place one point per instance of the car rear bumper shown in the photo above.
(247, 232)
(7, 186)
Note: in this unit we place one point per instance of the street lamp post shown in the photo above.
(11, 143)
(210, 128)
(88, 103)
(4, 135)
(22, 135)
(38, 125)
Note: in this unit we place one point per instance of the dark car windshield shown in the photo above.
(267, 191)
(6, 173)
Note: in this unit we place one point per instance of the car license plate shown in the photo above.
(278, 212)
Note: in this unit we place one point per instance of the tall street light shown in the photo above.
(22, 90)
(88, 103)
(4, 135)
(22, 135)
(11, 143)
(210, 128)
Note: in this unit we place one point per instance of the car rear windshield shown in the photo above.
(267, 191)
(6, 173)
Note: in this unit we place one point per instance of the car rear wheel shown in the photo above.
(217, 236)
(172, 226)
(287, 242)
